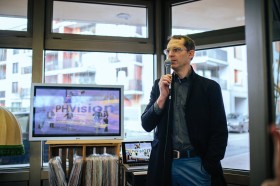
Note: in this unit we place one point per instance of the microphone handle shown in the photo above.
(167, 64)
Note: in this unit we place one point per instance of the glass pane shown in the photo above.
(207, 15)
(228, 67)
(276, 74)
(98, 19)
(276, 58)
(15, 95)
(134, 71)
(13, 15)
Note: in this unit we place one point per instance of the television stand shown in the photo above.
(136, 178)
(66, 149)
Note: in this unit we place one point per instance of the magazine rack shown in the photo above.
(66, 150)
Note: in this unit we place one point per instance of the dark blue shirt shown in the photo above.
(180, 135)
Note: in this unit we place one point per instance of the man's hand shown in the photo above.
(164, 83)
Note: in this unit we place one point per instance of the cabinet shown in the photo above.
(136, 178)
(133, 177)
(66, 150)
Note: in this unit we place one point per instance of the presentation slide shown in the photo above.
(76, 112)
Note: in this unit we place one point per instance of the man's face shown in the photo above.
(178, 54)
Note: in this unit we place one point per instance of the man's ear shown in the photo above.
(191, 54)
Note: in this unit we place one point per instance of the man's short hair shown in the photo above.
(188, 42)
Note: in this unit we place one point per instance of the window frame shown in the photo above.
(226, 37)
(59, 41)
(160, 24)
(19, 39)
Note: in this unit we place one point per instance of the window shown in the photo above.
(26, 70)
(14, 87)
(25, 92)
(207, 16)
(15, 51)
(15, 68)
(3, 54)
(237, 77)
(220, 69)
(13, 15)
(99, 19)
(15, 96)
(2, 94)
(108, 68)
(2, 71)
(237, 53)
(16, 106)
(276, 76)
(227, 65)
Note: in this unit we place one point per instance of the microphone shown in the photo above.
(167, 64)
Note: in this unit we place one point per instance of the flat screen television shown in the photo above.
(76, 112)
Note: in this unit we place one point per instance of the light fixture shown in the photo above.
(124, 16)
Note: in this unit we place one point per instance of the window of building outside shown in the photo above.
(227, 66)
(238, 53)
(2, 70)
(15, 68)
(14, 87)
(207, 16)
(238, 78)
(99, 19)
(15, 96)
(133, 71)
(13, 15)
(3, 54)
(2, 94)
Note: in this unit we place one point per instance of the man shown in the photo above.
(189, 121)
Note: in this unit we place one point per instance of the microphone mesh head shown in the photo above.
(167, 62)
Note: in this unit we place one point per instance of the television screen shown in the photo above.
(76, 112)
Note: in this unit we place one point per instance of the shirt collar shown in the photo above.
(190, 76)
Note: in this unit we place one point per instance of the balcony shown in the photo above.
(210, 59)
(223, 83)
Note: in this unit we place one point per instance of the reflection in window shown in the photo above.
(15, 96)
(206, 16)
(99, 19)
(220, 65)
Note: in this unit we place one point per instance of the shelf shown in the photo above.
(83, 142)
(66, 150)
